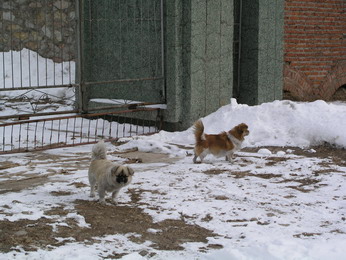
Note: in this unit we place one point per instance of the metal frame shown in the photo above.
(163, 49)
(237, 45)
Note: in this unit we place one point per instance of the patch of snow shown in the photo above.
(264, 151)
(280, 153)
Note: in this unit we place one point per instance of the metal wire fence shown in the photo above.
(125, 39)
(64, 131)
(117, 46)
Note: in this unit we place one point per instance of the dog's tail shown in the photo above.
(99, 151)
(198, 130)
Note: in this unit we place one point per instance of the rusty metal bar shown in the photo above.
(50, 147)
(130, 106)
(134, 105)
(38, 114)
(81, 115)
(122, 81)
(40, 87)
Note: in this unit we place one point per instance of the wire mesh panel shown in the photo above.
(123, 50)
(37, 56)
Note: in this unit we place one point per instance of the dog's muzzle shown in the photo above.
(122, 179)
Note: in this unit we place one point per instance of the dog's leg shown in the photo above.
(115, 194)
(92, 181)
(102, 194)
(229, 157)
(203, 155)
(195, 155)
(92, 191)
(198, 151)
(195, 159)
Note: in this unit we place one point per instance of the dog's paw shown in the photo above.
(114, 202)
(103, 201)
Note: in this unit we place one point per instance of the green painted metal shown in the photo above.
(122, 50)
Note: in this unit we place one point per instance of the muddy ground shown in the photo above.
(113, 219)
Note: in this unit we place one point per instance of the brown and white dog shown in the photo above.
(223, 144)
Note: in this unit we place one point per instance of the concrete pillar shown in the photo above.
(261, 64)
(199, 59)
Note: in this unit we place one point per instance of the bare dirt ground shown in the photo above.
(103, 219)
(114, 219)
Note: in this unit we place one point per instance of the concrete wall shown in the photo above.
(199, 62)
(261, 65)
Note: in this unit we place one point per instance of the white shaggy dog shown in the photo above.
(106, 175)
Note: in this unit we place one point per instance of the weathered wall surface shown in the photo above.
(199, 59)
(47, 27)
(261, 61)
(315, 48)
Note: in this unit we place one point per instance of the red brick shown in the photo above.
(315, 46)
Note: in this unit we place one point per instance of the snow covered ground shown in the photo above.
(274, 201)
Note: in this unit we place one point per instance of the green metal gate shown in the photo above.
(121, 52)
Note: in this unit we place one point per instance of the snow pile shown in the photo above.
(279, 123)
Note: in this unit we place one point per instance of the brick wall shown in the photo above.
(314, 48)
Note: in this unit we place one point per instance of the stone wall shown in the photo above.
(315, 52)
(44, 26)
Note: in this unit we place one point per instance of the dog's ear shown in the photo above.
(114, 170)
(242, 128)
(131, 172)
